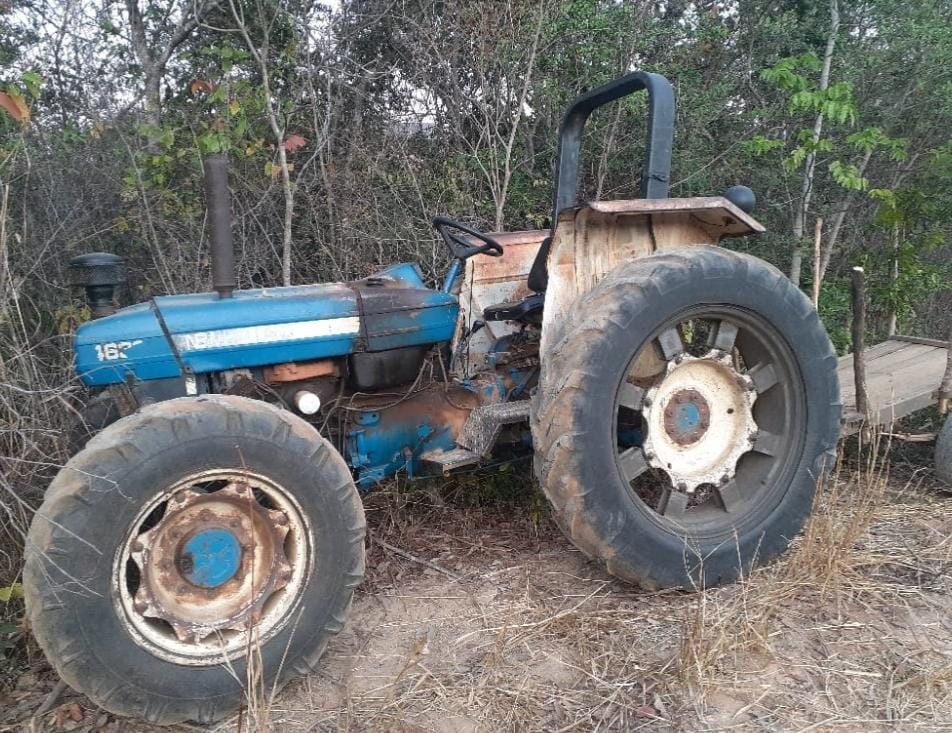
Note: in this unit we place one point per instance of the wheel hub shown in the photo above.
(209, 558)
(211, 562)
(687, 416)
(700, 420)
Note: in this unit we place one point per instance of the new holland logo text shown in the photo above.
(252, 335)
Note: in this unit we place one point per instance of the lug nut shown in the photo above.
(137, 546)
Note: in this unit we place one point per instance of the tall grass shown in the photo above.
(727, 628)
(37, 398)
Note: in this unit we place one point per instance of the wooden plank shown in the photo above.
(887, 358)
(901, 359)
(888, 363)
(875, 352)
(884, 349)
(920, 340)
(902, 377)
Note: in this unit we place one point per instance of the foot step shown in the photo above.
(483, 425)
(447, 460)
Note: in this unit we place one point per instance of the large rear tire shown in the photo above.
(686, 411)
(184, 540)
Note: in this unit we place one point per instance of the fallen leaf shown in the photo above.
(201, 85)
(15, 106)
(76, 712)
(293, 142)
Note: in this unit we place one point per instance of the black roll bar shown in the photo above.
(658, 146)
(657, 171)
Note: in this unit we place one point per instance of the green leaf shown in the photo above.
(848, 176)
(760, 145)
(11, 591)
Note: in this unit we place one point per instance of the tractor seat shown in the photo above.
(527, 310)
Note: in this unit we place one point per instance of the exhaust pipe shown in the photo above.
(218, 204)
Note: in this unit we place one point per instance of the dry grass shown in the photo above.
(478, 615)
(37, 401)
(849, 631)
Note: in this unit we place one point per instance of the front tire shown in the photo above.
(686, 411)
(180, 538)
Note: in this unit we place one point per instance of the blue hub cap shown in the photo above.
(687, 417)
(210, 558)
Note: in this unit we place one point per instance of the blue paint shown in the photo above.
(452, 275)
(386, 443)
(687, 417)
(210, 558)
(431, 318)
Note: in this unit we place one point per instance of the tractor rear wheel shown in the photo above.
(189, 548)
(686, 411)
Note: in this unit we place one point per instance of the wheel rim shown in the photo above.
(212, 563)
(709, 421)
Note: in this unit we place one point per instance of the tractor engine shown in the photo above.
(366, 362)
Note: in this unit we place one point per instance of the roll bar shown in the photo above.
(658, 146)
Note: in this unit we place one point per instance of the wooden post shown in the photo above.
(859, 330)
(817, 238)
(893, 276)
(945, 386)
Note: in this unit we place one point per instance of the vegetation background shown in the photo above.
(351, 125)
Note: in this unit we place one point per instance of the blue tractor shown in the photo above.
(681, 401)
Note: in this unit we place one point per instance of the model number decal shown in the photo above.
(115, 350)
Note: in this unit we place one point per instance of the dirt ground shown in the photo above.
(478, 615)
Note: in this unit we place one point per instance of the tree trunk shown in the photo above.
(806, 188)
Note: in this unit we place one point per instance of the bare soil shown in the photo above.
(478, 615)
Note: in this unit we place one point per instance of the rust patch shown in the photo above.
(432, 404)
(714, 210)
(294, 371)
(194, 611)
(681, 434)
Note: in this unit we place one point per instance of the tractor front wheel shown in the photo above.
(684, 416)
(196, 553)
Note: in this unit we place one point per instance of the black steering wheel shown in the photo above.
(459, 247)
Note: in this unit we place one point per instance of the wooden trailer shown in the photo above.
(903, 375)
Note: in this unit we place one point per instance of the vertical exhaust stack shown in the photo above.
(218, 203)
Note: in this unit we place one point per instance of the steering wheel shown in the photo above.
(459, 247)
